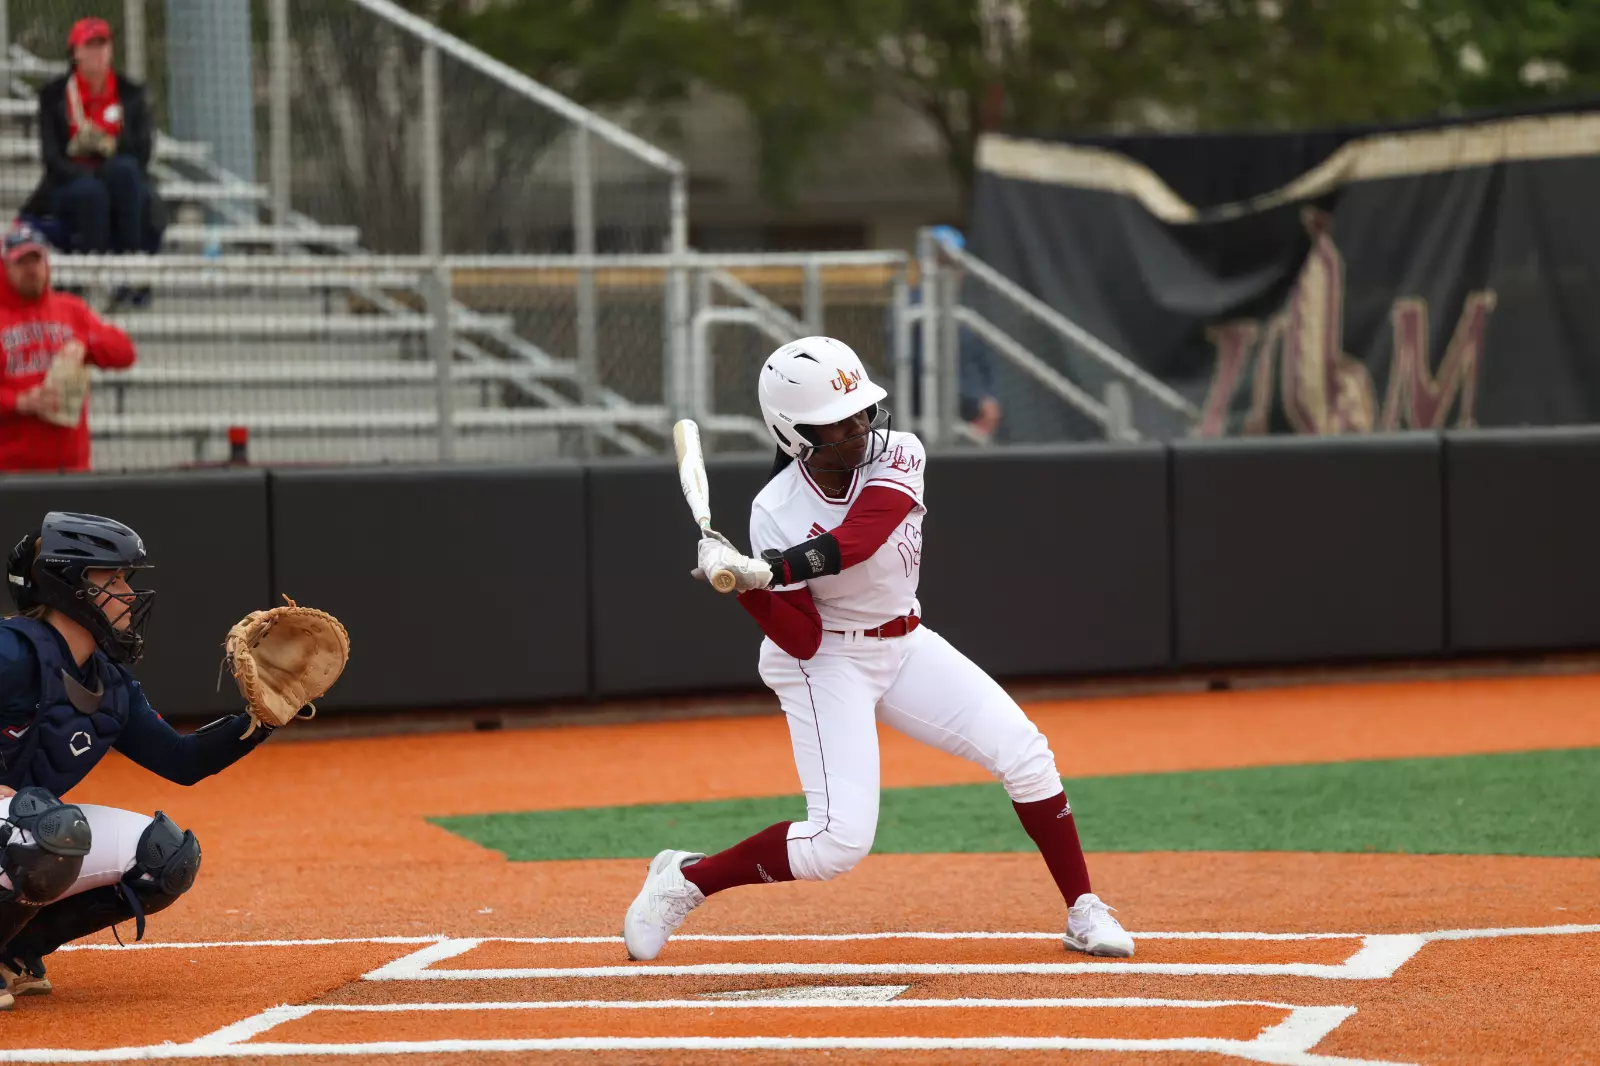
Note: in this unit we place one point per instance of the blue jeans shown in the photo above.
(104, 210)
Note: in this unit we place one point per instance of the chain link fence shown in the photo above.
(515, 175)
(368, 114)
(390, 359)
(384, 246)
(300, 147)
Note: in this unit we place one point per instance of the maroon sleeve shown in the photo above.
(876, 513)
(789, 618)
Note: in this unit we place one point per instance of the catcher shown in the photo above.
(67, 697)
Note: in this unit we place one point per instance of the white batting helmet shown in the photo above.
(814, 381)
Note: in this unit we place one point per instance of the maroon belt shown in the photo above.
(895, 627)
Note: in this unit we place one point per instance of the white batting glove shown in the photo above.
(715, 554)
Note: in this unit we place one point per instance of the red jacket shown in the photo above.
(30, 335)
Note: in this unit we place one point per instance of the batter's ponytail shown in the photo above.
(780, 462)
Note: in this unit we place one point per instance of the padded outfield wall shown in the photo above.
(512, 586)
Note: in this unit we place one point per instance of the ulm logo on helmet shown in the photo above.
(847, 381)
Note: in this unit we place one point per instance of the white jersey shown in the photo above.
(791, 509)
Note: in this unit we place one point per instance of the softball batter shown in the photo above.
(838, 535)
(67, 698)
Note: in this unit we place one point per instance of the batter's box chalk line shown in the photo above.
(1288, 1042)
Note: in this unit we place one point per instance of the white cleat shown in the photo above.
(1092, 930)
(661, 905)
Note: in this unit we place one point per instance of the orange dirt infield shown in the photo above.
(327, 839)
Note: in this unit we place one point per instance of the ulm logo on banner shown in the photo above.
(1323, 389)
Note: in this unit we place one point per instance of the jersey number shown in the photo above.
(911, 548)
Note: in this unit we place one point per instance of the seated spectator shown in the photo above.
(42, 426)
(976, 403)
(95, 140)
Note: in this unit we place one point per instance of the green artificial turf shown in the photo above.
(1531, 803)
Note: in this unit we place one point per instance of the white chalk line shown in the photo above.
(1377, 958)
(1242, 1049)
(1300, 1030)
(736, 938)
(901, 969)
(1287, 1043)
(148, 945)
(719, 938)
(786, 1002)
(873, 993)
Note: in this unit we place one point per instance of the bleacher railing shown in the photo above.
(384, 322)
(1061, 367)
(392, 358)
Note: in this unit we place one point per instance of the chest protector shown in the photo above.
(74, 724)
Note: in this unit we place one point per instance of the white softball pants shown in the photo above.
(113, 844)
(918, 684)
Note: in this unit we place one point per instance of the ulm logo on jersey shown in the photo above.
(901, 460)
(847, 381)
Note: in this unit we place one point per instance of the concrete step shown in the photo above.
(521, 446)
(240, 403)
(336, 375)
(200, 353)
(231, 284)
(364, 423)
(284, 303)
(185, 237)
(16, 147)
(229, 325)
(18, 182)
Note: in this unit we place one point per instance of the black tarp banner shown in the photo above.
(1320, 282)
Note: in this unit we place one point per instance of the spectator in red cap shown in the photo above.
(95, 140)
(39, 427)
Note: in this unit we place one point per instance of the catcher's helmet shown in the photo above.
(816, 381)
(50, 568)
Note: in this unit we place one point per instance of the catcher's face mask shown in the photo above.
(126, 609)
(82, 570)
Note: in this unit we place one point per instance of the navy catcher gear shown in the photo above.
(19, 573)
(68, 734)
(42, 845)
(167, 860)
(167, 857)
(45, 844)
(67, 546)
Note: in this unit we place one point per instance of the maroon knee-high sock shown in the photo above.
(1049, 823)
(763, 857)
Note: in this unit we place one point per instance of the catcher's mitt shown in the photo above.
(283, 659)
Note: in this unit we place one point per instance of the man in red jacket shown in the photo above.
(38, 327)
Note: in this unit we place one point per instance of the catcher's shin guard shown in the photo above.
(165, 864)
(42, 846)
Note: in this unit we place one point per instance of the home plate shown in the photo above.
(816, 993)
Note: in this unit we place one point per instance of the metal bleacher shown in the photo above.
(295, 333)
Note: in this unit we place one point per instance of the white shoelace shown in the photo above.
(673, 905)
(1098, 910)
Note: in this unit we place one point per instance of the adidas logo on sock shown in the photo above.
(768, 878)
